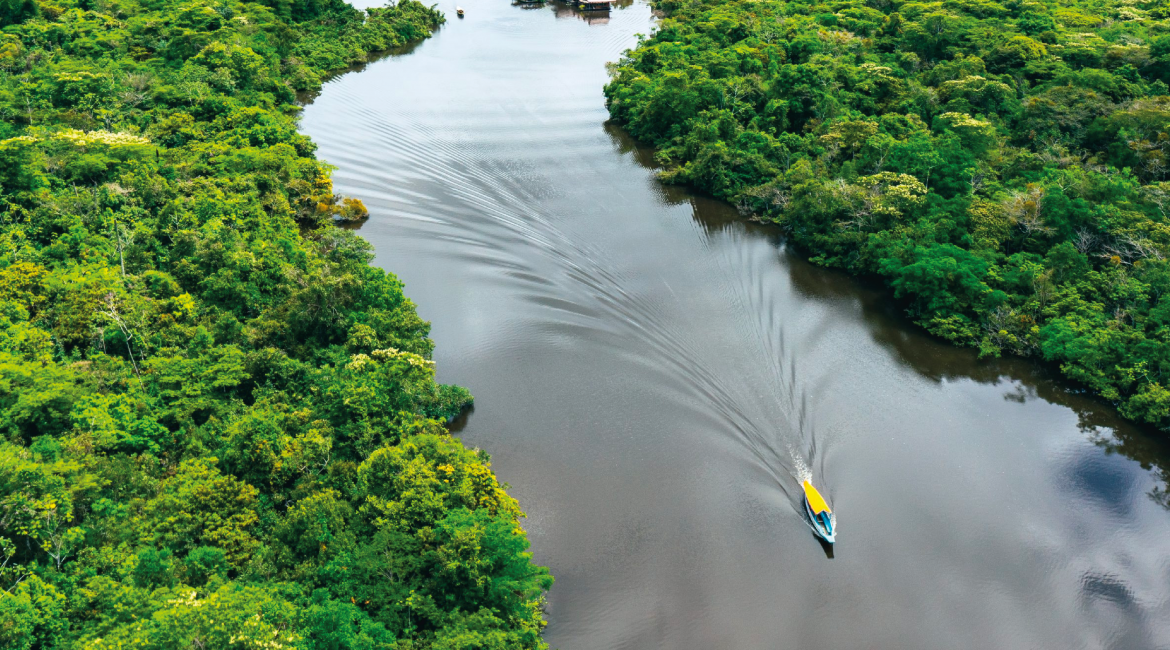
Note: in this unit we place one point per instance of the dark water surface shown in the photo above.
(654, 375)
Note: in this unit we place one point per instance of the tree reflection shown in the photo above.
(1025, 379)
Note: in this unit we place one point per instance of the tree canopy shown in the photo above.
(219, 424)
(1001, 165)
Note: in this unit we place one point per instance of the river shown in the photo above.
(653, 376)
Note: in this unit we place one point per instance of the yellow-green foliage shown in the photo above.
(219, 425)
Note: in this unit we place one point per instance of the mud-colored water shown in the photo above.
(653, 375)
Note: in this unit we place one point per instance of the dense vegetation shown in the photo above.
(219, 425)
(1004, 166)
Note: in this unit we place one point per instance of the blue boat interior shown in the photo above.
(825, 522)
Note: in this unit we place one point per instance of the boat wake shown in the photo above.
(480, 196)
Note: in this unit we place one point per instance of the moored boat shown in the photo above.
(819, 513)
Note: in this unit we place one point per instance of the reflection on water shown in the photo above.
(567, 9)
(930, 358)
(654, 376)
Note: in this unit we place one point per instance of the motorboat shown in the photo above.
(459, 11)
(819, 513)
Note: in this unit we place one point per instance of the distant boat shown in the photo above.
(459, 11)
(819, 513)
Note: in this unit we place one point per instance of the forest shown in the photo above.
(1001, 166)
(219, 424)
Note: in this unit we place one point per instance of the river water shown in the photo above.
(653, 376)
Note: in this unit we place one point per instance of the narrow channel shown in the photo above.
(653, 375)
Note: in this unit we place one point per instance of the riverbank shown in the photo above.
(652, 372)
(992, 164)
(220, 423)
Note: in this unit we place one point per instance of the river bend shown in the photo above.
(654, 375)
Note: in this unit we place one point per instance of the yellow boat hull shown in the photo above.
(816, 502)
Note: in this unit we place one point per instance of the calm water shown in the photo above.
(654, 375)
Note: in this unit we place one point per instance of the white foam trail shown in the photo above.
(800, 468)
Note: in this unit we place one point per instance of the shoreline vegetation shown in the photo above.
(219, 424)
(1003, 167)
